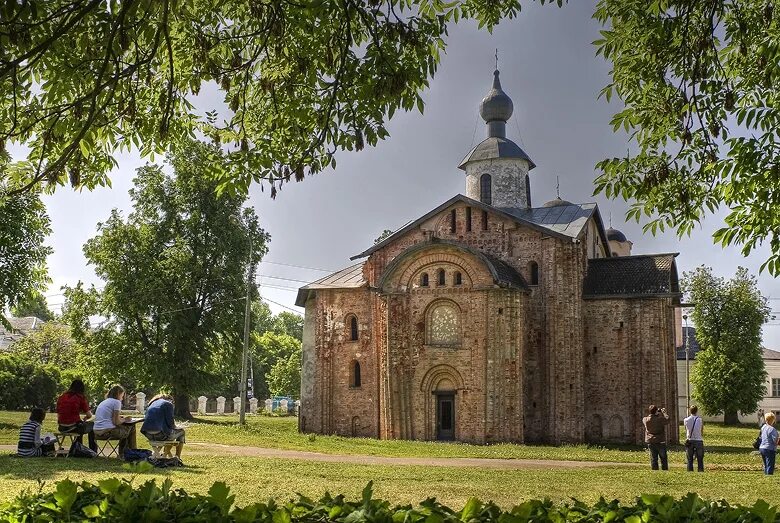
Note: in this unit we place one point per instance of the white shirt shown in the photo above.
(104, 414)
(693, 426)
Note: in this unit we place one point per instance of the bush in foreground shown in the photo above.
(119, 500)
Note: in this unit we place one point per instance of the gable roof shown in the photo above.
(553, 224)
(632, 276)
(348, 278)
(20, 327)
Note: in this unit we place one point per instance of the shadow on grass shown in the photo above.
(13, 467)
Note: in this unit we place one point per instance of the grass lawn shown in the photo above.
(732, 472)
(727, 447)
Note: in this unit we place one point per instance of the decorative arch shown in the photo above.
(441, 375)
(595, 429)
(355, 426)
(443, 325)
(616, 432)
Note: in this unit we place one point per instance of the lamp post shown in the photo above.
(687, 368)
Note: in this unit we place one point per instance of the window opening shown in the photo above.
(356, 381)
(424, 280)
(453, 220)
(458, 279)
(533, 269)
(444, 327)
(484, 220)
(468, 219)
(442, 277)
(353, 329)
(485, 195)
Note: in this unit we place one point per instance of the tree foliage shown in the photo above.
(52, 344)
(273, 350)
(33, 305)
(700, 80)
(284, 378)
(729, 375)
(289, 323)
(84, 79)
(175, 278)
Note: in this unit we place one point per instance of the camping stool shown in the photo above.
(60, 436)
(112, 444)
(157, 446)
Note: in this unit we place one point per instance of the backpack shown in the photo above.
(78, 450)
(135, 455)
(165, 462)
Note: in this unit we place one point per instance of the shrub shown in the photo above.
(118, 500)
(25, 384)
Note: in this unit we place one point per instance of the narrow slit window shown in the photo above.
(468, 219)
(356, 381)
(533, 271)
(485, 189)
(442, 277)
(353, 329)
(424, 280)
(484, 220)
(458, 279)
(453, 221)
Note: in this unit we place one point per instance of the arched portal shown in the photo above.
(440, 387)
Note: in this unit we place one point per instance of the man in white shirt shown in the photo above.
(694, 439)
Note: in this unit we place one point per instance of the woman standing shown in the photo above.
(110, 424)
(769, 440)
(70, 406)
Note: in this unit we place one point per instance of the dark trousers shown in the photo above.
(768, 455)
(83, 427)
(696, 448)
(658, 450)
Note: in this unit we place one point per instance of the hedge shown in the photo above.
(25, 384)
(119, 500)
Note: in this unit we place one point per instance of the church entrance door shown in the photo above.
(445, 417)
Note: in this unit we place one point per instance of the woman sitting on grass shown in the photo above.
(30, 443)
(159, 425)
(110, 424)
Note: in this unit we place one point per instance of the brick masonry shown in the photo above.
(539, 363)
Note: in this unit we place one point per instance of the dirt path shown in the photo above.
(211, 449)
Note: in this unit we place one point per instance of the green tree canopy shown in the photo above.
(33, 305)
(729, 375)
(84, 79)
(175, 277)
(53, 344)
(284, 378)
(700, 80)
(269, 350)
(289, 323)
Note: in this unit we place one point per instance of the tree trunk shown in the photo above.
(182, 406)
(730, 417)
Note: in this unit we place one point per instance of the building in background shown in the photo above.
(20, 327)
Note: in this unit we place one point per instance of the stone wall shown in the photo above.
(509, 177)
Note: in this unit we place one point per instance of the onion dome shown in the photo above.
(557, 203)
(496, 106)
(615, 235)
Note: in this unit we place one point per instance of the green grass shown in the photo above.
(727, 447)
(256, 479)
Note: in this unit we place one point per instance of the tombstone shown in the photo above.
(283, 406)
(236, 405)
(297, 407)
(140, 402)
(202, 404)
(253, 406)
(269, 406)
(221, 405)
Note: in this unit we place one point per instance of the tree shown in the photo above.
(24, 226)
(33, 305)
(284, 379)
(729, 374)
(289, 323)
(83, 79)
(701, 87)
(52, 344)
(268, 350)
(175, 277)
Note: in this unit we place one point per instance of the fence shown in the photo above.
(220, 405)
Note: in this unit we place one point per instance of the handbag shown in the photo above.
(757, 442)
(688, 442)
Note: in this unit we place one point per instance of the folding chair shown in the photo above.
(111, 444)
(60, 436)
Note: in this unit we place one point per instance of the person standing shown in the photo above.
(70, 405)
(769, 440)
(109, 422)
(655, 436)
(694, 439)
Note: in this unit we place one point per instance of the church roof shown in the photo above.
(495, 147)
(648, 275)
(615, 235)
(348, 278)
(564, 222)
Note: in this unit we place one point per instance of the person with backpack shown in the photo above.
(694, 439)
(768, 445)
(159, 424)
(30, 442)
(70, 406)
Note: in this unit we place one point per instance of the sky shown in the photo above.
(549, 69)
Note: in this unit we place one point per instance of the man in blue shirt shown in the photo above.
(159, 425)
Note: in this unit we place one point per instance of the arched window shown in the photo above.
(355, 381)
(533, 272)
(485, 189)
(444, 325)
(458, 279)
(353, 327)
(424, 280)
(441, 277)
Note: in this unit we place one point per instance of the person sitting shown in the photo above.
(30, 442)
(159, 425)
(70, 405)
(109, 422)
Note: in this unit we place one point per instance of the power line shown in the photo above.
(284, 306)
(297, 266)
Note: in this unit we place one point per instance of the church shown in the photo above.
(491, 319)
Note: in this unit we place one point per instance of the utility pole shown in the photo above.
(687, 369)
(245, 351)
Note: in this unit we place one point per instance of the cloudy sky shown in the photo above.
(548, 67)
